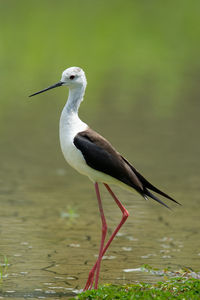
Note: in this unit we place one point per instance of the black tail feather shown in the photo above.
(147, 185)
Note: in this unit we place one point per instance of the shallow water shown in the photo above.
(50, 224)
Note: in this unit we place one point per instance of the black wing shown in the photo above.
(100, 155)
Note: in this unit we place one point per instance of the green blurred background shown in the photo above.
(129, 49)
(142, 64)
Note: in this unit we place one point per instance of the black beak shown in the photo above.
(49, 88)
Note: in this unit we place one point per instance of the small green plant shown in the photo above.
(3, 266)
(69, 214)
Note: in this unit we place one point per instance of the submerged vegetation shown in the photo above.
(3, 266)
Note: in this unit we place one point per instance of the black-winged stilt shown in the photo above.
(92, 155)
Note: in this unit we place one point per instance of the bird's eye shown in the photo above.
(71, 77)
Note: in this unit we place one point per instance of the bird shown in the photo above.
(92, 155)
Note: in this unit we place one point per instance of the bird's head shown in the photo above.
(73, 77)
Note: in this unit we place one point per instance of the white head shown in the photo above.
(73, 77)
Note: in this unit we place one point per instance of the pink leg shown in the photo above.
(103, 235)
(125, 215)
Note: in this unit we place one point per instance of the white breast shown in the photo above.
(70, 125)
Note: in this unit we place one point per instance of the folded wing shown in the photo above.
(100, 155)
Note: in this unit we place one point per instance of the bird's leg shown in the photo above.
(125, 215)
(90, 280)
(103, 235)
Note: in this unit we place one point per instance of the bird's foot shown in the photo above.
(90, 281)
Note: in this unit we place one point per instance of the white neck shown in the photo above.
(70, 124)
(74, 99)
